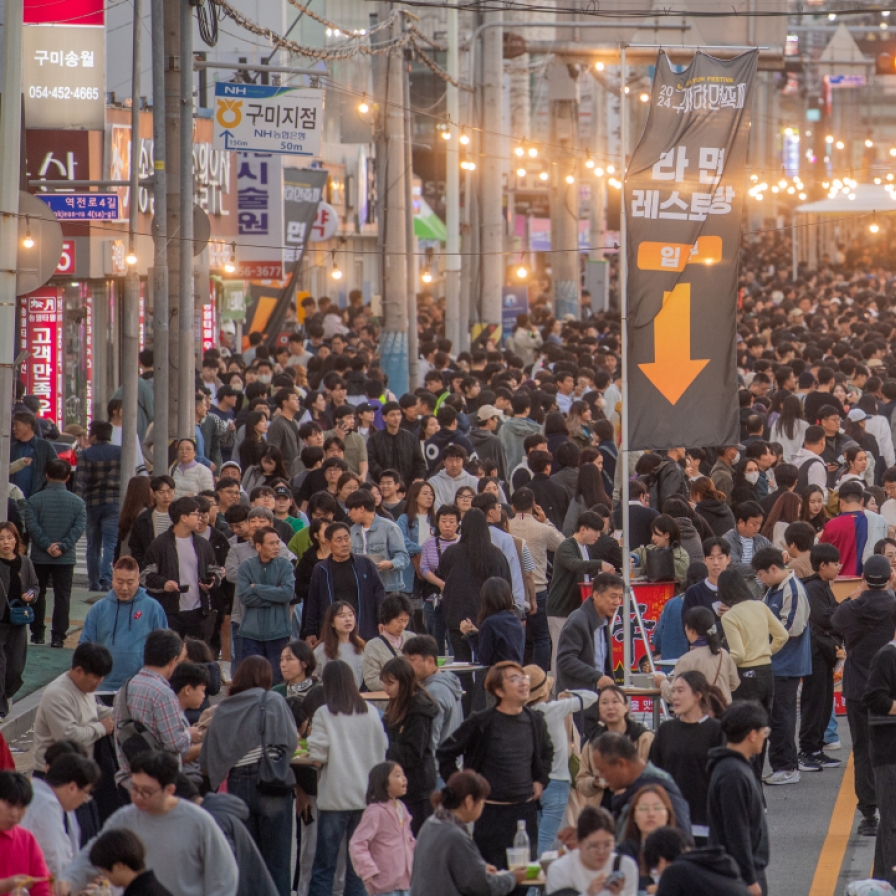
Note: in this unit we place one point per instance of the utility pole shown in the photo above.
(563, 94)
(390, 179)
(173, 63)
(186, 360)
(130, 341)
(413, 349)
(10, 142)
(491, 184)
(160, 243)
(453, 320)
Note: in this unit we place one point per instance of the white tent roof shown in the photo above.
(869, 198)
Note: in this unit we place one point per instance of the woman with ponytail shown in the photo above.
(682, 744)
(705, 655)
(446, 860)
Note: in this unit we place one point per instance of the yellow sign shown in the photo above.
(654, 256)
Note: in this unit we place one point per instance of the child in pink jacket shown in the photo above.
(382, 847)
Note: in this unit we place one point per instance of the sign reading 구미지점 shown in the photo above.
(257, 118)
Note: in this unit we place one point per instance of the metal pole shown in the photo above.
(186, 362)
(130, 331)
(796, 258)
(490, 180)
(394, 341)
(623, 447)
(413, 351)
(453, 320)
(10, 142)
(160, 319)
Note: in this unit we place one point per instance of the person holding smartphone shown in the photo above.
(355, 454)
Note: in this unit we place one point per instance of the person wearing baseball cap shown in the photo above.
(555, 712)
(866, 624)
(488, 446)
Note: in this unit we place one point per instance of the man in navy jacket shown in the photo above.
(343, 576)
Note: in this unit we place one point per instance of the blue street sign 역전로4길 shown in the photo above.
(82, 206)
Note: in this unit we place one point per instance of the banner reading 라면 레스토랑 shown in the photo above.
(684, 192)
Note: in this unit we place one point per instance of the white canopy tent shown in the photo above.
(818, 227)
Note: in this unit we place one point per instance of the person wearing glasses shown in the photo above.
(181, 569)
(185, 848)
(510, 747)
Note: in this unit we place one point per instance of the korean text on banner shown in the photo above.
(683, 200)
(303, 190)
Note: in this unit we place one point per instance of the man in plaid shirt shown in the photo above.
(152, 702)
(98, 483)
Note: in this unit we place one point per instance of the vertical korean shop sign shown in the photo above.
(64, 64)
(42, 333)
(684, 196)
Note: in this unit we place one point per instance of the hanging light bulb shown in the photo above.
(521, 271)
(869, 143)
(874, 227)
(28, 242)
(533, 152)
(599, 66)
(520, 172)
(589, 162)
(543, 175)
(840, 144)
(611, 169)
(131, 257)
(427, 275)
(570, 179)
(468, 165)
(464, 137)
(803, 197)
(230, 266)
(599, 172)
(363, 106)
(645, 97)
(519, 152)
(336, 274)
(446, 132)
(832, 16)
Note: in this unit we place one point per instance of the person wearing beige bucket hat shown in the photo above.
(555, 712)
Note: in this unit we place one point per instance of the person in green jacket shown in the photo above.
(665, 536)
(572, 566)
(55, 519)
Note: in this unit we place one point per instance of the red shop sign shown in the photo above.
(42, 333)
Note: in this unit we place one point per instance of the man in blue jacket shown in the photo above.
(265, 585)
(343, 576)
(55, 518)
(121, 621)
(786, 598)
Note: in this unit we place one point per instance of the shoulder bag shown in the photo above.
(275, 775)
(133, 737)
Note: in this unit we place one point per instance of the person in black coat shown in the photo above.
(691, 872)
(408, 722)
(640, 515)
(120, 856)
(736, 808)
(550, 495)
(866, 624)
(818, 688)
(394, 448)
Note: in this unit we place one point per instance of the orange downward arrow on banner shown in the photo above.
(673, 370)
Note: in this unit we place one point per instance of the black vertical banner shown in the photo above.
(684, 193)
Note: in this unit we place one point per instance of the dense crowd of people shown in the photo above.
(331, 546)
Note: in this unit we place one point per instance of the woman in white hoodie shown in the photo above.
(556, 714)
(348, 739)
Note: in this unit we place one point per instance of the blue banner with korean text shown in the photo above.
(683, 194)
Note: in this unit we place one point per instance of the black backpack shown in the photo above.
(802, 482)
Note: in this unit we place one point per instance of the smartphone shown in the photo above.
(184, 589)
(208, 580)
(614, 878)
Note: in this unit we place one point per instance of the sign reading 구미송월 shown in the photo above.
(256, 118)
(683, 199)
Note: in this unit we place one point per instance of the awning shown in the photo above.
(869, 198)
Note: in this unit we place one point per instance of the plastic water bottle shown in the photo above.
(521, 838)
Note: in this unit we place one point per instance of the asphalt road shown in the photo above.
(814, 848)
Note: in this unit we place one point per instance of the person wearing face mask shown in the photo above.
(746, 480)
(722, 473)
